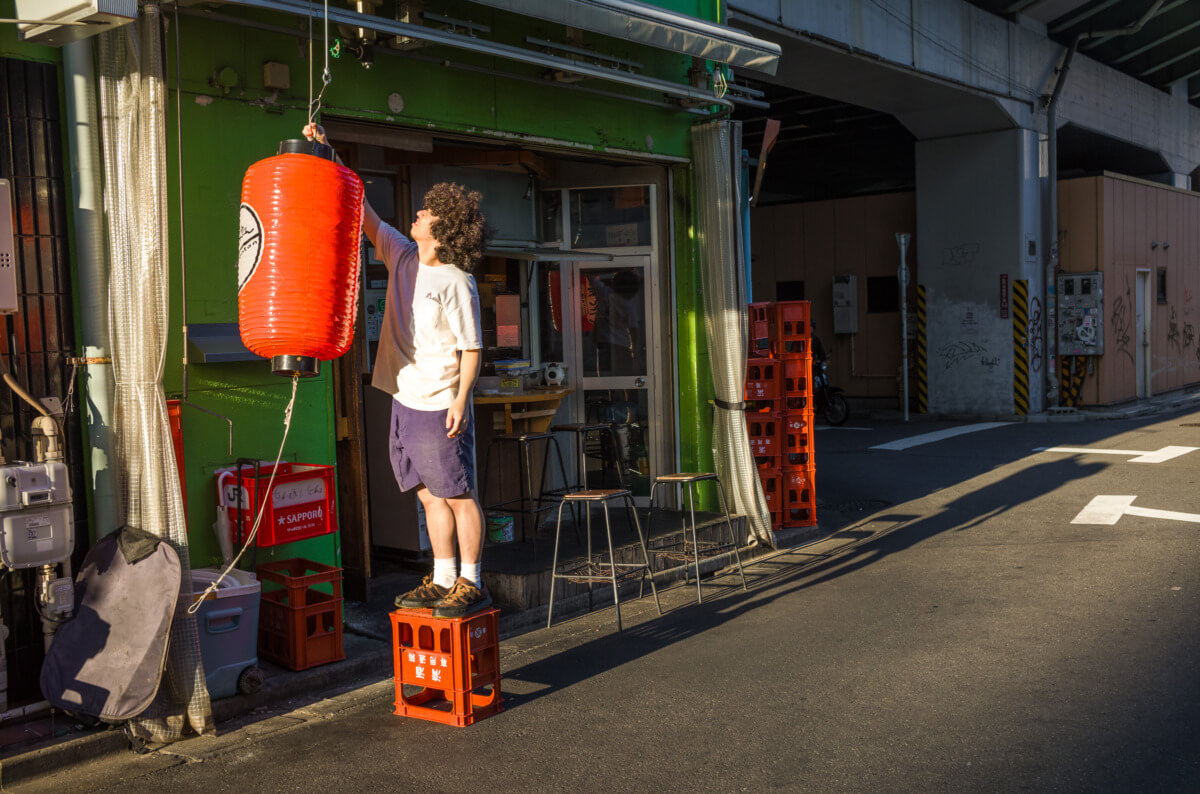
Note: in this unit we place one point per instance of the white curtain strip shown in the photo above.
(133, 124)
(725, 318)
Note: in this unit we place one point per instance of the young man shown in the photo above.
(428, 360)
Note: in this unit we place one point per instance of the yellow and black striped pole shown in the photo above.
(922, 355)
(1020, 315)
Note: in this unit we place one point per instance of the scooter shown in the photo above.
(827, 399)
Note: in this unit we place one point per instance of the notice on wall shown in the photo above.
(1003, 296)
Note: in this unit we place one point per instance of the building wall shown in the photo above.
(1118, 225)
(814, 241)
(225, 131)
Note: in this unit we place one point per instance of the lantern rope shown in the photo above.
(314, 105)
(287, 424)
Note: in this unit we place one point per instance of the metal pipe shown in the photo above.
(1049, 330)
(31, 710)
(496, 49)
(902, 240)
(92, 266)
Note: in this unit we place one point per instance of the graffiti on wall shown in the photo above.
(1035, 335)
(957, 352)
(1173, 331)
(1122, 321)
(960, 254)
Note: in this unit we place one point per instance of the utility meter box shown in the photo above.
(36, 526)
(845, 304)
(1080, 314)
(8, 250)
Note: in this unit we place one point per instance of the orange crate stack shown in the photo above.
(780, 420)
(451, 666)
(300, 626)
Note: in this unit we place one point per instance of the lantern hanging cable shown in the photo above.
(250, 538)
(314, 105)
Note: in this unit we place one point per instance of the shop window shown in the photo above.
(1162, 285)
(883, 294)
(550, 217)
(789, 290)
(610, 217)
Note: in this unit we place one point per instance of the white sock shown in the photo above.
(470, 570)
(445, 572)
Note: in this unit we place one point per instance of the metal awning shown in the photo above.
(526, 254)
(654, 27)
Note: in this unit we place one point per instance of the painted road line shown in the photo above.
(938, 435)
(1140, 456)
(1107, 510)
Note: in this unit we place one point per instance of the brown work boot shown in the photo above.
(463, 599)
(425, 596)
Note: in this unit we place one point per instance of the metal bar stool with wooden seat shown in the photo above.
(679, 550)
(591, 570)
(527, 505)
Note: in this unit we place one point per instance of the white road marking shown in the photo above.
(1107, 510)
(937, 435)
(1141, 456)
(835, 427)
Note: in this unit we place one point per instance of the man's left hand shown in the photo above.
(456, 418)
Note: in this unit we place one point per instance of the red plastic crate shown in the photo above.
(302, 503)
(300, 626)
(175, 417)
(762, 379)
(767, 462)
(765, 431)
(796, 376)
(763, 407)
(762, 328)
(453, 664)
(799, 497)
(772, 483)
(794, 329)
(797, 439)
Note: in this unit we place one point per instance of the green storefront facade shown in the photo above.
(457, 98)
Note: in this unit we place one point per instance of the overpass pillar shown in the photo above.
(979, 230)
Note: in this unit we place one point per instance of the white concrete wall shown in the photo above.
(978, 204)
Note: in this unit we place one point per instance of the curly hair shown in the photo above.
(460, 228)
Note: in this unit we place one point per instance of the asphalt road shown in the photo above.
(961, 634)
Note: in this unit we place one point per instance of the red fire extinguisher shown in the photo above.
(298, 257)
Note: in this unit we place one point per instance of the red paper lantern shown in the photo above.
(298, 257)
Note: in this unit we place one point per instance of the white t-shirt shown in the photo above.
(430, 314)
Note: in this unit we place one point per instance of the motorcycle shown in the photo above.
(828, 400)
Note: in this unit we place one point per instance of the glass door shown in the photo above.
(613, 365)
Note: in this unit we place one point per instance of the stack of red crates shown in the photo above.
(779, 409)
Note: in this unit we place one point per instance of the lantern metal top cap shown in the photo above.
(305, 146)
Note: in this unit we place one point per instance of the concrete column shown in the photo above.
(979, 228)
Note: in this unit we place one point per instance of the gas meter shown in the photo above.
(35, 515)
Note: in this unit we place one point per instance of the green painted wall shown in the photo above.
(11, 45)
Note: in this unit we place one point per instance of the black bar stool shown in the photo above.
(581, 430)
(526, 505)
(679, 550)
(592, 569)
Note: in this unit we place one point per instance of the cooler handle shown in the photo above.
(222, 614)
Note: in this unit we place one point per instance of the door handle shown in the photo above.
(639, 382)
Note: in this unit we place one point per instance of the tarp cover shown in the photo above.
(107, 661)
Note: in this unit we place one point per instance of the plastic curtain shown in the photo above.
(133, 134)
(725, 317)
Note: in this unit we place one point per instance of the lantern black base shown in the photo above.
(304, 366)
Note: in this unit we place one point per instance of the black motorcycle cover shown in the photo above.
(107, 661)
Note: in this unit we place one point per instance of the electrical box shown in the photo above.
(36, 526)
(845, 304)
(56, 22)
(8, 250)
(374, 301)
(1080, 314)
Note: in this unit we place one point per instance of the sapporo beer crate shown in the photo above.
(762, 379)
(797, 441)
(300, 624)
(796, 383)
(301, 502)
(793, 323)
(446, 670)
(799, 497)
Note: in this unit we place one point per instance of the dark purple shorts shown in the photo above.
(421, 453)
